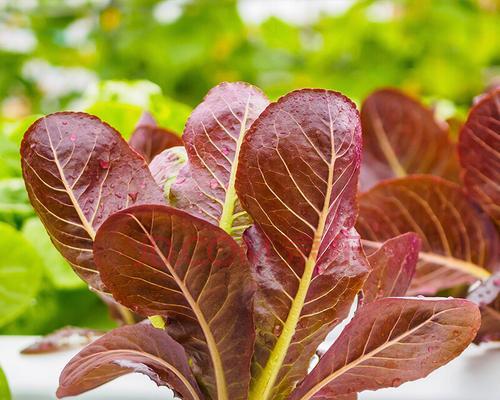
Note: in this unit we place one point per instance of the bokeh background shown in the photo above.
(116, 58)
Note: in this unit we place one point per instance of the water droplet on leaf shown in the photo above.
(104, 164)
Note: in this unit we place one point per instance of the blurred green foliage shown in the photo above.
(121, 103)
(442, 48)
(20, 273)
(102, 56)
(4, 387)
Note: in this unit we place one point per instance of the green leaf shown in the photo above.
(53, 309)
(14, 130)
(120, 116)
(9, 159)
(136, 93)
(121, 103)
(11, 134)
(14, 202)
(20, 272)
(4, 387)
(56, 267)
(169, 113)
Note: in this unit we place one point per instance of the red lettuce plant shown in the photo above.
(458, 223)
(246, 262)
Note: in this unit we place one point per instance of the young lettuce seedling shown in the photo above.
(253, 262)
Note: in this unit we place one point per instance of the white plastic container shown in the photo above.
(473, 375)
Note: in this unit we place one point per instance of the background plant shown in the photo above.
(416, 178)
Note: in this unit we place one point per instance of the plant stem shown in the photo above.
(227, 215)
(127, 315)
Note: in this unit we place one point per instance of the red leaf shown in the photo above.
(479, 151)
(393, 266)
(490, 325)
(409, 340)
(134, 348)
(213, 136)
(459, 243)
(402, 137)
(161, 261)
(63, 339)
(297, 178)
(78, 170)
(149, 140)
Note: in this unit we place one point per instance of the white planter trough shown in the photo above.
(473, 375)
